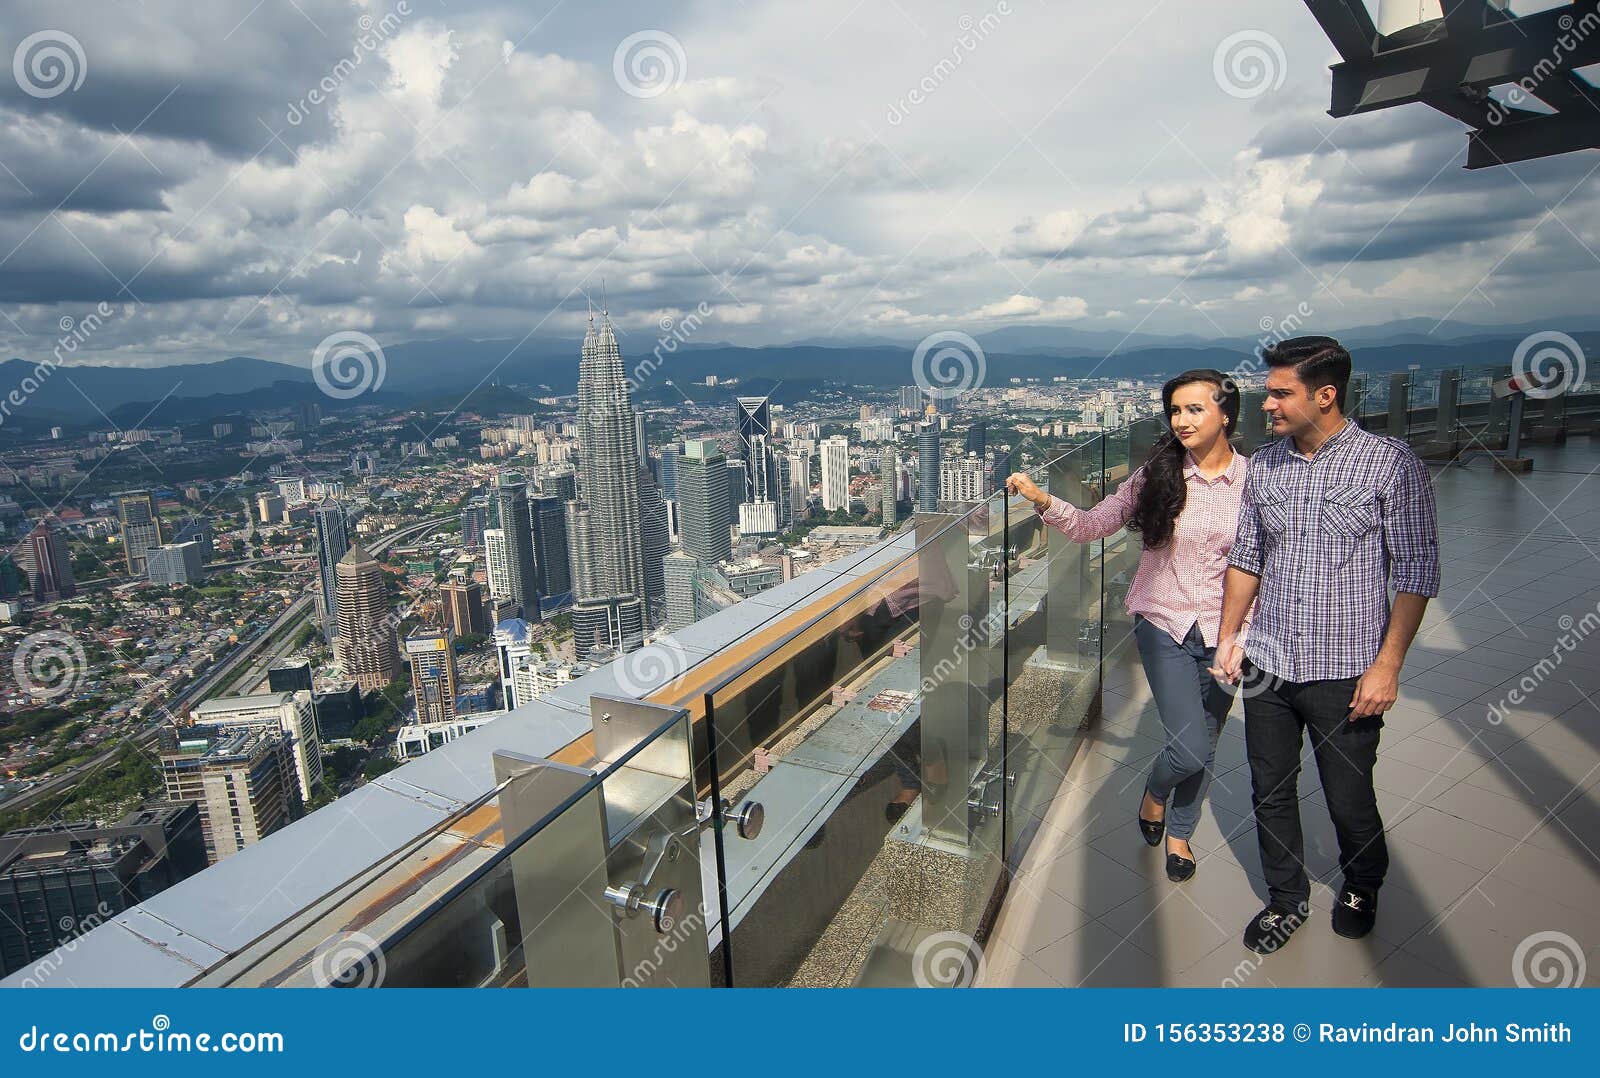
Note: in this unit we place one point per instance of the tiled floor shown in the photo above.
(1492, 803)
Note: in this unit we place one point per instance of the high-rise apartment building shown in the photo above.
(516, 526)
(962, 480)
(474, 520)
(703, 519)
(888, 478)
(494, 559)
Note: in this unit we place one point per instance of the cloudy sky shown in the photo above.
(245, 178)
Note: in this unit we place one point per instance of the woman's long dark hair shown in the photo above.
(1162, 496)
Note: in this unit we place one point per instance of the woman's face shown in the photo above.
(1196, 416)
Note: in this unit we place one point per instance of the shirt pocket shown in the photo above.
(1350, 512)
(1272, 504)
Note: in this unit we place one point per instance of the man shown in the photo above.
(1332, 517)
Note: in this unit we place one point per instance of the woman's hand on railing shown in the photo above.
(1020, 483)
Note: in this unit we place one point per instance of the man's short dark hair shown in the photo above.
(1317, 361)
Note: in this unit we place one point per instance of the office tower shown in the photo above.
(367, 645)
(141, 528)
(172, 564)
(836, 473)
(654, 539)
(753, 423)
(269, 507)
(799, 483)
(242, 778)
(580, 550)
(474, 521)
(1000, 468)
(48, 563)
(59, 880)
(758, 518)
(289, 675)
(962, 480)
(196, 530)
(292, 489)
(608, 456)
(703, 519)
(927, 467)
(288, 713)
(338, 709)
(781, 493)
(678, 569)
(333, 541)
(667, 470)
(612, 622)
(552, 562)
(12, 579)
(977, 438)
(432, 655)
(888, 478)
(522, 580)
(494, 560)
(463, 607)
(560, 483)
(910, 400)
(512, 652)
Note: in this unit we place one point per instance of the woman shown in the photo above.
(1184, 503)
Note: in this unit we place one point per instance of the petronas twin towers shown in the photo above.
(609, 530)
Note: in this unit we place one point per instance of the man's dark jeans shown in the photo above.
(1275, 719)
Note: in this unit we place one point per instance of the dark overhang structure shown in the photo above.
(1451, 62)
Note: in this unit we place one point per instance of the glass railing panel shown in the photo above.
(859, 739)
(1125, 454)
(564, 877)
(1052, 644)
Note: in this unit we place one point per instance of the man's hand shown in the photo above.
(1021, 483)
(1376, 691)
(1228, 664)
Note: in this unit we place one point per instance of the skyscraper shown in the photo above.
(703, 519)
(516, 526)
(580, 551)
(679, 569)
(799, 483)
(977, 438)
(48, 563)
(910, 400)
(474, 521)
(494, 560)
(608, 455)
(433, 674)
(781, 494)
(462, 601)
(288, 713)
(654, 539)
(367, 645)
(667, 470)
(243, 779)
(888, 478)
(753, 419)
(927, 467)
(836, 473)
(550, 555)
(172, 564)
(333, 541)
(141, 528)
(614, 622)
(561, 483)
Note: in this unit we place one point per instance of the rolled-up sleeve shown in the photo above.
(1087, 525)
(1246, 554)
(1411, 528)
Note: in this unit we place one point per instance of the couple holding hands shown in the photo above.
(1277, 568)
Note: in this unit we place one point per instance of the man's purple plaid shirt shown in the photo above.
(1328, 535)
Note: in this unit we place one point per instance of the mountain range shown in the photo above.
(447, 369)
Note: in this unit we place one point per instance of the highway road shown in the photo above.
(215, 677)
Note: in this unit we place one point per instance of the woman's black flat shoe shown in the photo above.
(1152, 832)
(1179, 868)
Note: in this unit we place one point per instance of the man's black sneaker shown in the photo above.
(1355, 912)
(1271, 928)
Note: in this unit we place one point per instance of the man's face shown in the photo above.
(1290, 407)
